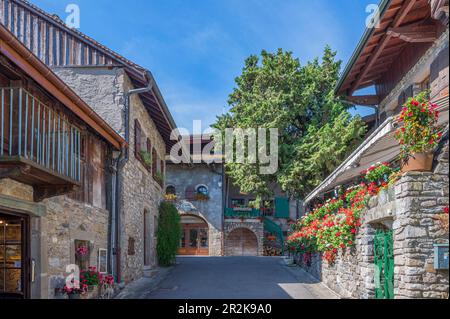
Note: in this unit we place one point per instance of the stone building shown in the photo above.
(217, 218)
(127, 97)
(407, 54)
(55, 186)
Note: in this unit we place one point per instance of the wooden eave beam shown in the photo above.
(365, 100)
(415, 33)
(403, 12)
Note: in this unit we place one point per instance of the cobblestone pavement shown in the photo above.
(229, 278)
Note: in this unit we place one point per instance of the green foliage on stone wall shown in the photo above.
(169, 234)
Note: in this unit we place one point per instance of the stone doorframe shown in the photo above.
(35, 211)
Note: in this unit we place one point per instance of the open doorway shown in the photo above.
(14, 256)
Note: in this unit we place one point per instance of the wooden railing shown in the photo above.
(35, 133)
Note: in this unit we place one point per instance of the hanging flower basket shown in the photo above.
(82, 253)
(418, 133)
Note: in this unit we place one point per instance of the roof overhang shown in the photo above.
(380, 146)
(153, 100)
(401, 22)
(11, 47)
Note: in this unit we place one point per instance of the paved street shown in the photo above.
(233, 278)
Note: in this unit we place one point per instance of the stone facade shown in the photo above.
(104, 90)
(53, 234)
(181, 177)
(409, 209)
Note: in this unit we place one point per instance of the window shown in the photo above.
(170, 190)
(154, 163)
(425, 85)
(203, 190)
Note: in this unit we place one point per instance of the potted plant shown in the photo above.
(91, 279)
(418, 133)
(107, 287)
(159, 178)
(170, 197)
(146, 159)
(378, 174)
(201, 197)
(82, 253)
(72, 292)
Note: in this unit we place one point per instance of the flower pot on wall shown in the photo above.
(419, 162)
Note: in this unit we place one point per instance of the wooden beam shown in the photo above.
(42, 192)
(365, 100)
(415, 32)
(403, 12)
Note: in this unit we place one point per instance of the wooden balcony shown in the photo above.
(39, 146)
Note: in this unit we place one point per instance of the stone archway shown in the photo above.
(241, 242)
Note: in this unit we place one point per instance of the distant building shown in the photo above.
(220, 220)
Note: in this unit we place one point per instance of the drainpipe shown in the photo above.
(120, 164)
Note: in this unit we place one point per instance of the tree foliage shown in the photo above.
(169, 234)
(316, 130)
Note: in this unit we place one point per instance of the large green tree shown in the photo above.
(316, 131)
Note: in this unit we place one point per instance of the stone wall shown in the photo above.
(103, 89)
(181, 177)
(140, 195)
(65, 222)
(410, 210)
(54, 233)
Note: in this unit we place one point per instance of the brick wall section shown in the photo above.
(409, 209)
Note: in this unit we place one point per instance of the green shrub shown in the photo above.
(169, 234)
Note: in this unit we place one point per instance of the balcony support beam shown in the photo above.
(42, 192)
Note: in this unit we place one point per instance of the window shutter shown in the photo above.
(137, 139)
(403, 98)
(154, 162)
(190, 193)
(409, 92)
(282, 207)
(149, 146)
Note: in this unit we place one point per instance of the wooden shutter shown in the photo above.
(149, 146)
(439, 79)
(282, 207)
(403, 98)
(190, 193)
(137, 139)
(154, 162)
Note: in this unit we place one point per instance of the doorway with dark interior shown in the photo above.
(14, 256)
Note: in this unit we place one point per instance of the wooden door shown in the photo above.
(194, 241)
(241, 242)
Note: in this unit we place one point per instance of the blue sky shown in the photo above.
(196, 48)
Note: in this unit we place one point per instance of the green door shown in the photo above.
(282, 207)
(384, 265)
